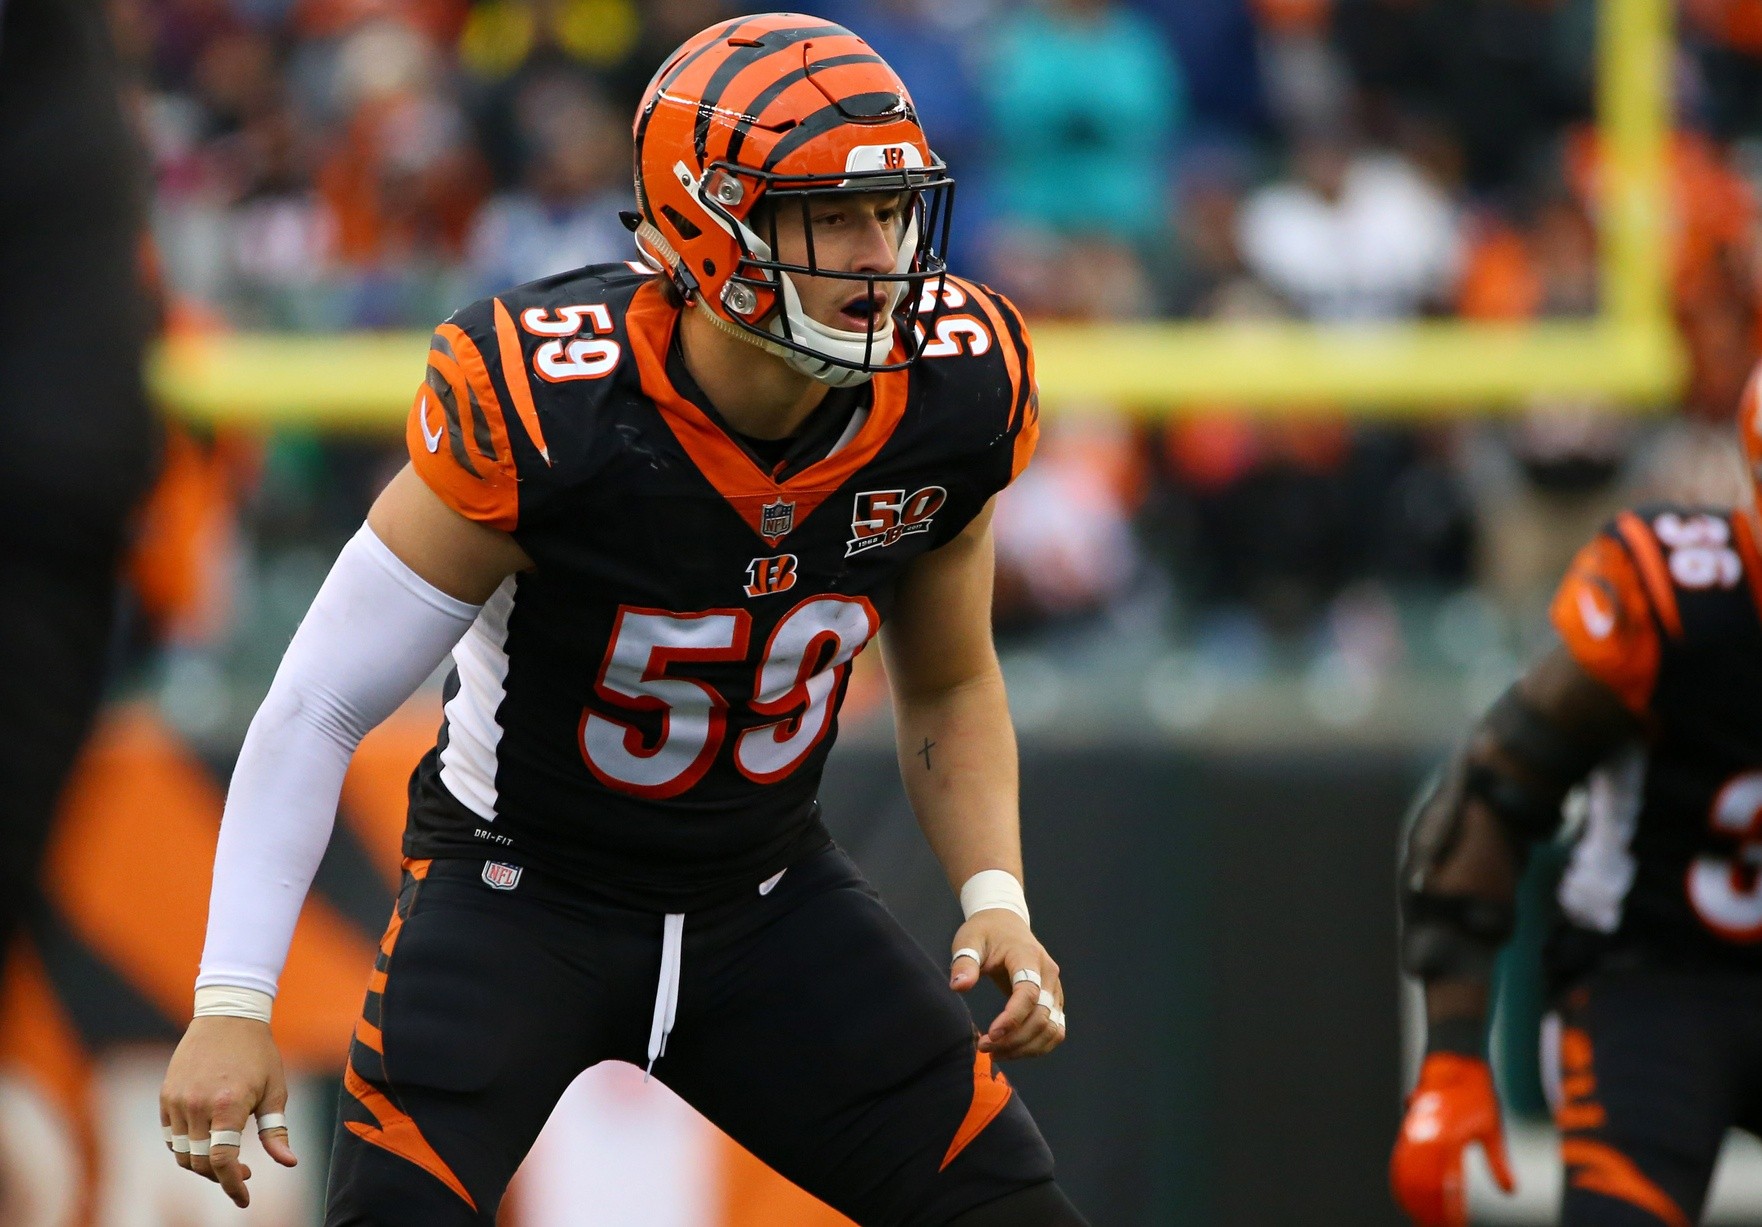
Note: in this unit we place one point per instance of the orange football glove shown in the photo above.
(1453, 1105)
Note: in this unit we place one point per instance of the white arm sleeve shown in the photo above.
(375, 632)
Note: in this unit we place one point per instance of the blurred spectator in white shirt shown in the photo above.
(1354, 235)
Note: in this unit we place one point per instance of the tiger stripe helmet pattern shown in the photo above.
(775, 110)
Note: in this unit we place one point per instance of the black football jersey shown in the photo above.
(1663, 608)
(647, 711)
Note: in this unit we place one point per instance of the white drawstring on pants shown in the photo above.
(667, 991)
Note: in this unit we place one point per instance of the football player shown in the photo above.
(1655, 1044)
(653, 511)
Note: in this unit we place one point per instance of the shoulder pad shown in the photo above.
(505, 412)
(971, 334)
(1680, 551)
(1613, 607)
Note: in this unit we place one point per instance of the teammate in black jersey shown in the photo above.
(1656, 1040)
(654, 510)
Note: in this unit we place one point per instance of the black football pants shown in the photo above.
(1655, 1066)
(810, 1028)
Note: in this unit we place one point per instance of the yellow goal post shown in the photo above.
(1627, 356)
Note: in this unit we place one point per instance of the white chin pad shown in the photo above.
(832, 347)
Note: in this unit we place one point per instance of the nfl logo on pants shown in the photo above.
(500, 876)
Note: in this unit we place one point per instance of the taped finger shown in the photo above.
(1028, 975)
(1018, 1011)
(226, 1137)
(967, 952)
(198, 1147)
(271, 1120)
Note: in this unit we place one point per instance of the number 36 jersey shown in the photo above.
(1665, 608)
(647, 710)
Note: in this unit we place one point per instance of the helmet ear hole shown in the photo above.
(687, 228)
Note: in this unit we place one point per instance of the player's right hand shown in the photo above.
(997, 943)
(225, 1071)
(1453, 1106)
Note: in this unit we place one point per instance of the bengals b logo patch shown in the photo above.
(767, 575)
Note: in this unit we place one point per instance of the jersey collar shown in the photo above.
(747, 488)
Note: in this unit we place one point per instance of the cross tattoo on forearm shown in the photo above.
(926, 752)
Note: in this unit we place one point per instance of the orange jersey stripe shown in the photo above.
(991, 1091)
(649, 323)
(1027, 341)
(466, 459)
(1745, 532)
(1644, 548)
(1028, 438)
(519, 386)
(1024, 393)
(481, 396)
(1602, 612)
(460, 421)
(1004, 341)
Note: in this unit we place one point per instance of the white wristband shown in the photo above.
(228, 1001)
(991, 888)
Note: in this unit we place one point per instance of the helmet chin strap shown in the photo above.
(814, 367)
(756, 340)
(657, 246)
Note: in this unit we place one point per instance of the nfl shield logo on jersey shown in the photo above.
(501, 877)
(776, 520)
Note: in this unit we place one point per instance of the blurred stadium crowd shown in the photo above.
(323, 165)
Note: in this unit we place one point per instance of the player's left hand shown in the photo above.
(1032, 1023)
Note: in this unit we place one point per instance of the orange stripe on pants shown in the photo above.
(397, 1131)
(991, 1090)
(1599, 1168)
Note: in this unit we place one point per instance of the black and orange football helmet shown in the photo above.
(776, 110)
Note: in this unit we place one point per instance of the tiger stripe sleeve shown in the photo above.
(458, 433)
